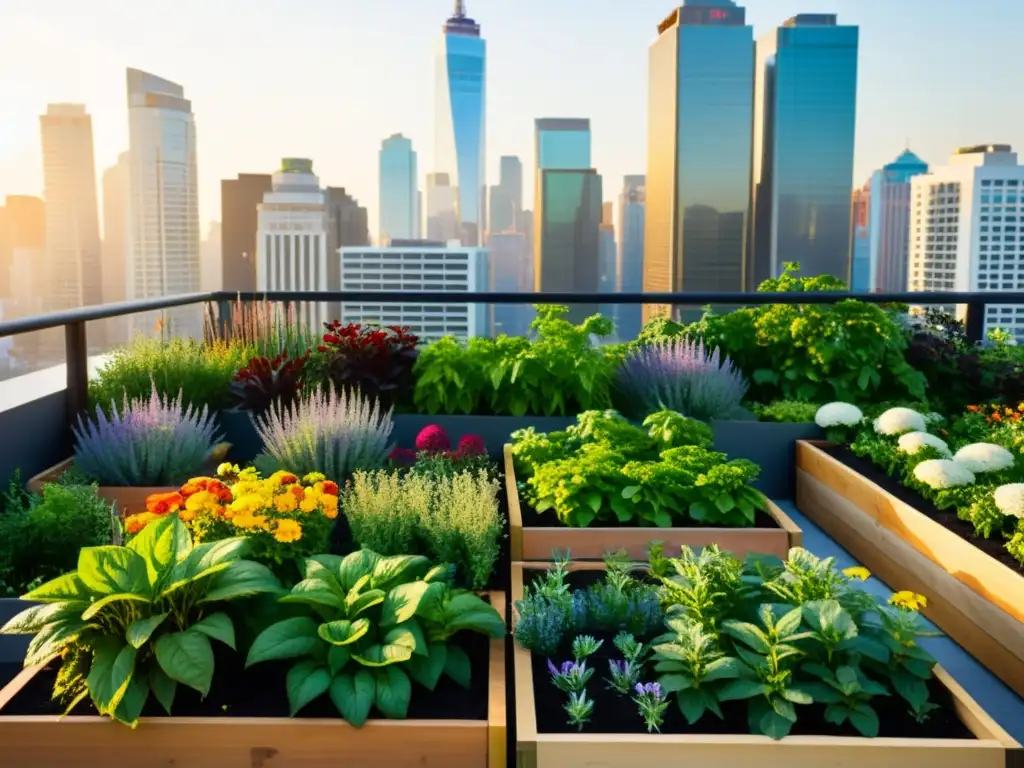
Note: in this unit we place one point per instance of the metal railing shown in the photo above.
(76, 348)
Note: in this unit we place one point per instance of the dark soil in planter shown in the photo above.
(994, 547)
(614, 713)
(260, 692)
(534, 519)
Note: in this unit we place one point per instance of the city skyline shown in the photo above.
(548, 82)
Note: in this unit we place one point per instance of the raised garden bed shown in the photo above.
(129, 499)
(961, 734)
(243, 722)
(532, 538)
(974, 596)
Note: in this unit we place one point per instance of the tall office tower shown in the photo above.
(211, 258)
(567, 211)
(347, 224)
(26, 238)
(700, 127)
(607, 259)
(398, 190)
(239, 220)
(291, 239)
(885, 250)
(72, 266)
(418, 265)
(860, 259)
(965, 229)
(506, 200)
(442, 198)
(460, 121)
(630, 267)
(116, 185)
(805, 113)
(510, 273)
(163, 201)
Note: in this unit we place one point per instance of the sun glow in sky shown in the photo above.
(329, 79)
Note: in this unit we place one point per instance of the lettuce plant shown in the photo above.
(375, 624)
(331, 432)
(148, 442)
(138, 620)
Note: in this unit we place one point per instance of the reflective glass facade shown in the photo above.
(563, 143)
(700, 122)
(398, 190)
(461, 69)
(806, 107)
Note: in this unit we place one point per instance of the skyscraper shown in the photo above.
(291, 252)
(399, 193)
(630, 268)
(860, 264)
(239, 220)
(460, 115)
(510, 273)
(506, 199)
(116, 185)
(700, 123)
(163, 202)
(346, 226)
(567, 215)
(25, 238)
(442, 201)
(607, 258)
(805, 116)
(72, 267)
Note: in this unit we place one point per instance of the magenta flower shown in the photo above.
(472, 445)
(433, 439)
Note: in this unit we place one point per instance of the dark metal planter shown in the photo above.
(12, 647)
(770, 445)
(495, 430)
(239, 430)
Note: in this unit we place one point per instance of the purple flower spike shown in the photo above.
(552, 668)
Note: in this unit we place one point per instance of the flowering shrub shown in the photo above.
(1010, 500)
(912, 442)
(896, 421)
(376, 359)
(984, 457)
(943, 473)
(433, 455)
(285, 517)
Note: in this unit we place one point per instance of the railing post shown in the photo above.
(975, 321)
(224, 317)
(76, 353)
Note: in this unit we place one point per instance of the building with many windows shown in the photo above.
(966, 226)
(292, 237)
(399, 194)
(418, 265)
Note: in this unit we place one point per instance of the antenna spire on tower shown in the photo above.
(460, 9)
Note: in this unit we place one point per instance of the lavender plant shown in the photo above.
(334, 433)
(147, 442)
(622, 676)
(680, 375)
(652, 703)
(579, 708)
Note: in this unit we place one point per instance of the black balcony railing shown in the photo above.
(76, 348)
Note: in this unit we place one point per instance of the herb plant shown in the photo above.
(786, 411)
(138, 620)
(374, 626)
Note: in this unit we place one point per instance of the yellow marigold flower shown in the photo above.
(330, 506)
(286, 502)
(200, 500)
(249, 473)
(227, 468)
(857, 572)
(309, 504)
(910, 600)
(249, 521)
(186, 515)
(288, 530)
(248, 503)
(314, 477)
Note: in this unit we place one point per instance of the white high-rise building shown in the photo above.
(163, 201)
(72, 267)
(966, 229)
(418, 265)
(291, 238)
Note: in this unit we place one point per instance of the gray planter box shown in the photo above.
(495, 430)
(238, 429)
(12, 647)
(770, 445)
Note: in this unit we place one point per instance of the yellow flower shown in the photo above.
(186, 515)
(330, 506)
(249, 521)
(288, 530)
(200, 500)
(309, 504)
(314, 477)
(857, 572)
(910, 600)
(227, 468)
(286, 502)
(248, 503)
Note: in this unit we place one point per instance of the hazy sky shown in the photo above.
(329, 79)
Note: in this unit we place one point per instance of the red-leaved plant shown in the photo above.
(376, 359)
(265, 382)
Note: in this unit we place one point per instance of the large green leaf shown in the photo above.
(186, 657)
(467, 611)
(432, 605)
(161, 544)
(405, 635)
(204, 561)
(111, 570)
(218, 626)
(130, 707)
(393, 693)
(343, 632)
(457, 666)
(401, 603)
(390, 571)
(378, 655)
(357, 603)
(68, 587)
(120, 597)
(331, 562)
(33, 619)
(52, 638)
(426, 670)
(286, 639)
(140, 630)
(316, 571)
(355, 566)
(742, 689)
(242, 578)
(747, 633)
(305, 681)
(163, 687)
(110, 672)
(314, 592)
(337, 658)
(353, 695)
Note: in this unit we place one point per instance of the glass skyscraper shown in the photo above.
(399, 208)
(805, 118)
(461, 79)
(700, 124)
(630, 269)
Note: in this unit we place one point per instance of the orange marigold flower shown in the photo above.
(135, 523)
(1020, 407)
(330, 488)
(286, 502)
(287, 479)
(186, 515)
(164, 503)
(330, 506)
(287, 531)
(309, 504)
(973, 409)
(297, 491)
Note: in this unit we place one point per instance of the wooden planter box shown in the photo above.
(536, 543)
(993, 747)
(129, 499)
(259, 742)
(972, 597)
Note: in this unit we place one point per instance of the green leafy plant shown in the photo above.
(138, 620)
(375, 625)
(786, 411)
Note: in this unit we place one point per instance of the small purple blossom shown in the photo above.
(649, 689)
(651, 702)
(622, 675)
(571, 677)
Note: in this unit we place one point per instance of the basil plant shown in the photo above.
(139, 619)
(375, 625)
